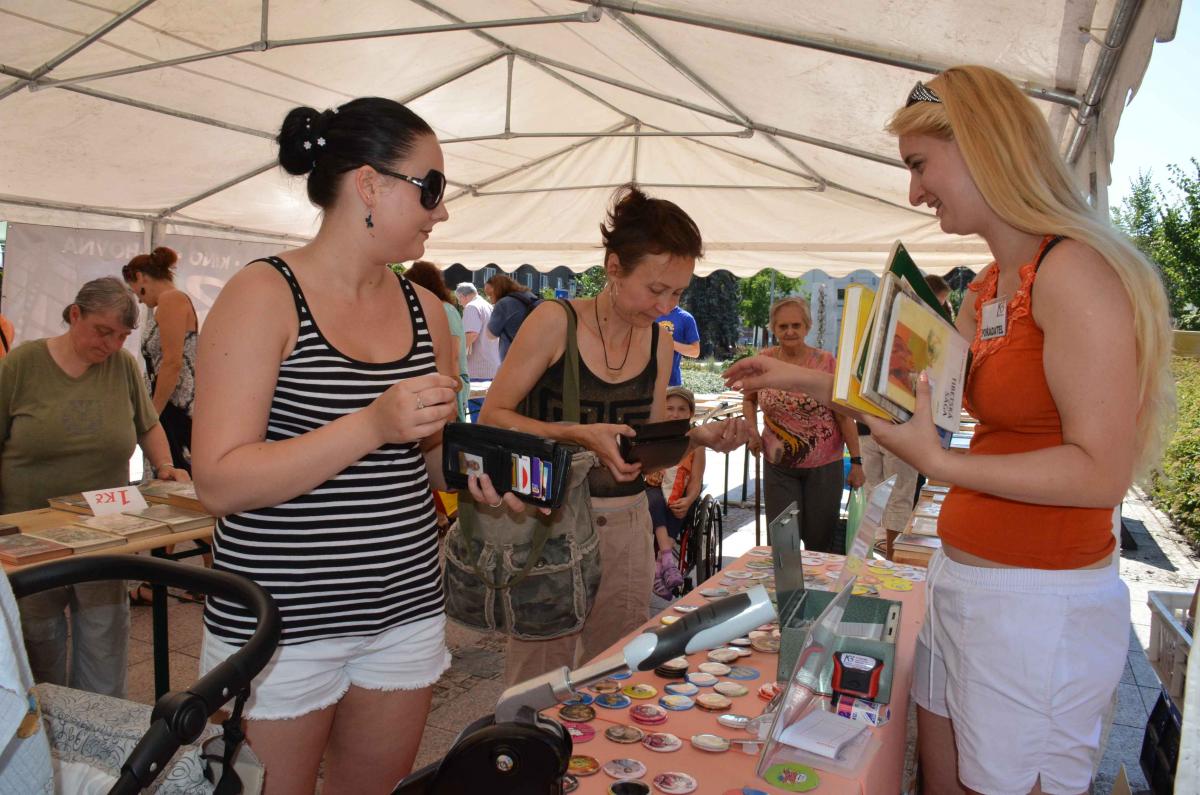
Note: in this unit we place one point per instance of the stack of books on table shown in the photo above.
(73, 503)
(128, 527)
(77, 538)
(22, 550)
(170, 492)
(920, 540)
(178, 519)
(888, 338)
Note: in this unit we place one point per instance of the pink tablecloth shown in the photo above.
(718, 773)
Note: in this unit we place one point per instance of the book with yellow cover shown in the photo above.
(918, 339)
(856, 311)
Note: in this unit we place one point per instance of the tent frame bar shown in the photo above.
(1123, 18)
(657, 185)
(32, 77)
(808, 42)
(263, 45)
(674, 61)
(508, 136)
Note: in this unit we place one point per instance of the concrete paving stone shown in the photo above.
(1124, 746)
(1127, 675)
(477, 662)
(1130, 711)
(1150, 697)
(186, 623)
(139, 650)
(140, 683)
(1143, 672)
(467, 707)
(458, 636)
(435, 743)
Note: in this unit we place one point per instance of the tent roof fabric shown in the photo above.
(763, 120)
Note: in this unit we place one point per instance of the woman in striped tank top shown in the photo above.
(323, 383)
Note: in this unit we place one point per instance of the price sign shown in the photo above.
(119, 500)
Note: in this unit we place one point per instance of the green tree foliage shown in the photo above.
(713, 301)
(1176, 484)
(756, 294)
(1166, 227)
(590, 282)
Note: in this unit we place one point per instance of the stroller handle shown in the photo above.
(178, 718)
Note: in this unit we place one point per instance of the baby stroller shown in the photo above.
(178, 718)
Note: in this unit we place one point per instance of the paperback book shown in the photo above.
(847, 388)
(172, 492)
(178, 519)
(128, 527)
(22, 550)
(905, 333)
(79, 539)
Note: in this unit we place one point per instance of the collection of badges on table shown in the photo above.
(637, 714)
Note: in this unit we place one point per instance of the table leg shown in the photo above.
(757, 498)
(725, 496)
(158, 614)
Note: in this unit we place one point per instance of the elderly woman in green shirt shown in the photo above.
(72, 408)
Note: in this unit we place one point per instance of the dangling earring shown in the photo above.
(370, 223)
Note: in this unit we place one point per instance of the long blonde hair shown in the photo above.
(1008, 149)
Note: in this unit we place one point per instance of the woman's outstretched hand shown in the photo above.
(760, 372)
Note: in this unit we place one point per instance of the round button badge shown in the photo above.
(675, 783)
(626, 735)
(624, 768)
(663, 742)
(792, 777)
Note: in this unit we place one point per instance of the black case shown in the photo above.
(658, 445)
(496, 447)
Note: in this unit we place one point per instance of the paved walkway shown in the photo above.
(470, 689)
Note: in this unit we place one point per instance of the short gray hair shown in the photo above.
(108, 293)
(798, 301)
(466, 288)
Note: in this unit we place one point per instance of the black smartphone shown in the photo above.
(658, 445)
(534, 468)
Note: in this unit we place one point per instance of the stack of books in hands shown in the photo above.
(889, 337)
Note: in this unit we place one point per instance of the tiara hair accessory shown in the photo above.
(922, 93)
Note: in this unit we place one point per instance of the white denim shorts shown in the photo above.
(305, 677)
(1025, 663)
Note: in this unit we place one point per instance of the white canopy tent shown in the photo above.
(764, 120)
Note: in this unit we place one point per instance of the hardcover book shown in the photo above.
(21, 550)
(79, 539)
(75, 503)
(172, 493)
(129, 527)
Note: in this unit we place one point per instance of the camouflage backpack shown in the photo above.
(528, 575)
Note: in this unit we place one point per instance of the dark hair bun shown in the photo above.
(163, 258)
(638, 225)
(295, 131)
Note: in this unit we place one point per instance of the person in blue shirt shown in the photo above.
(682, 327)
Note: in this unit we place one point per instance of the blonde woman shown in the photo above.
(1028, 622)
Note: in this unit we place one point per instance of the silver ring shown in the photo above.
(497, 505)
(420, 403)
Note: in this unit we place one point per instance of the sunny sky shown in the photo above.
(1162, 124)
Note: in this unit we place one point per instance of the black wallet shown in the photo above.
(534, 468)
(658, 445)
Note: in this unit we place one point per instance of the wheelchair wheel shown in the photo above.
(707, 538)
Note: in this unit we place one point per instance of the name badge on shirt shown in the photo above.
(993, 319)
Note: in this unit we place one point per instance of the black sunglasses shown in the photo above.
(432, 185)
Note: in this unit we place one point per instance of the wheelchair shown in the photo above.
(702, 541)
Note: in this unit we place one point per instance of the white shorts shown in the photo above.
(1025, 663)
(305, 677)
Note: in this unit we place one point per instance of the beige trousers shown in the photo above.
(879, 464)
(622, 602)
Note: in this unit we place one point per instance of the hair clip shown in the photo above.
(922, 93)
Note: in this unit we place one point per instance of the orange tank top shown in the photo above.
(1007, 392)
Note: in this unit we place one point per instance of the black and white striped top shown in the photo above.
(358, 554)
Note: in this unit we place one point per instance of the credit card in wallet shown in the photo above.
(532, 467)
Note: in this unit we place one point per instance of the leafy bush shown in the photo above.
(1176, 486)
